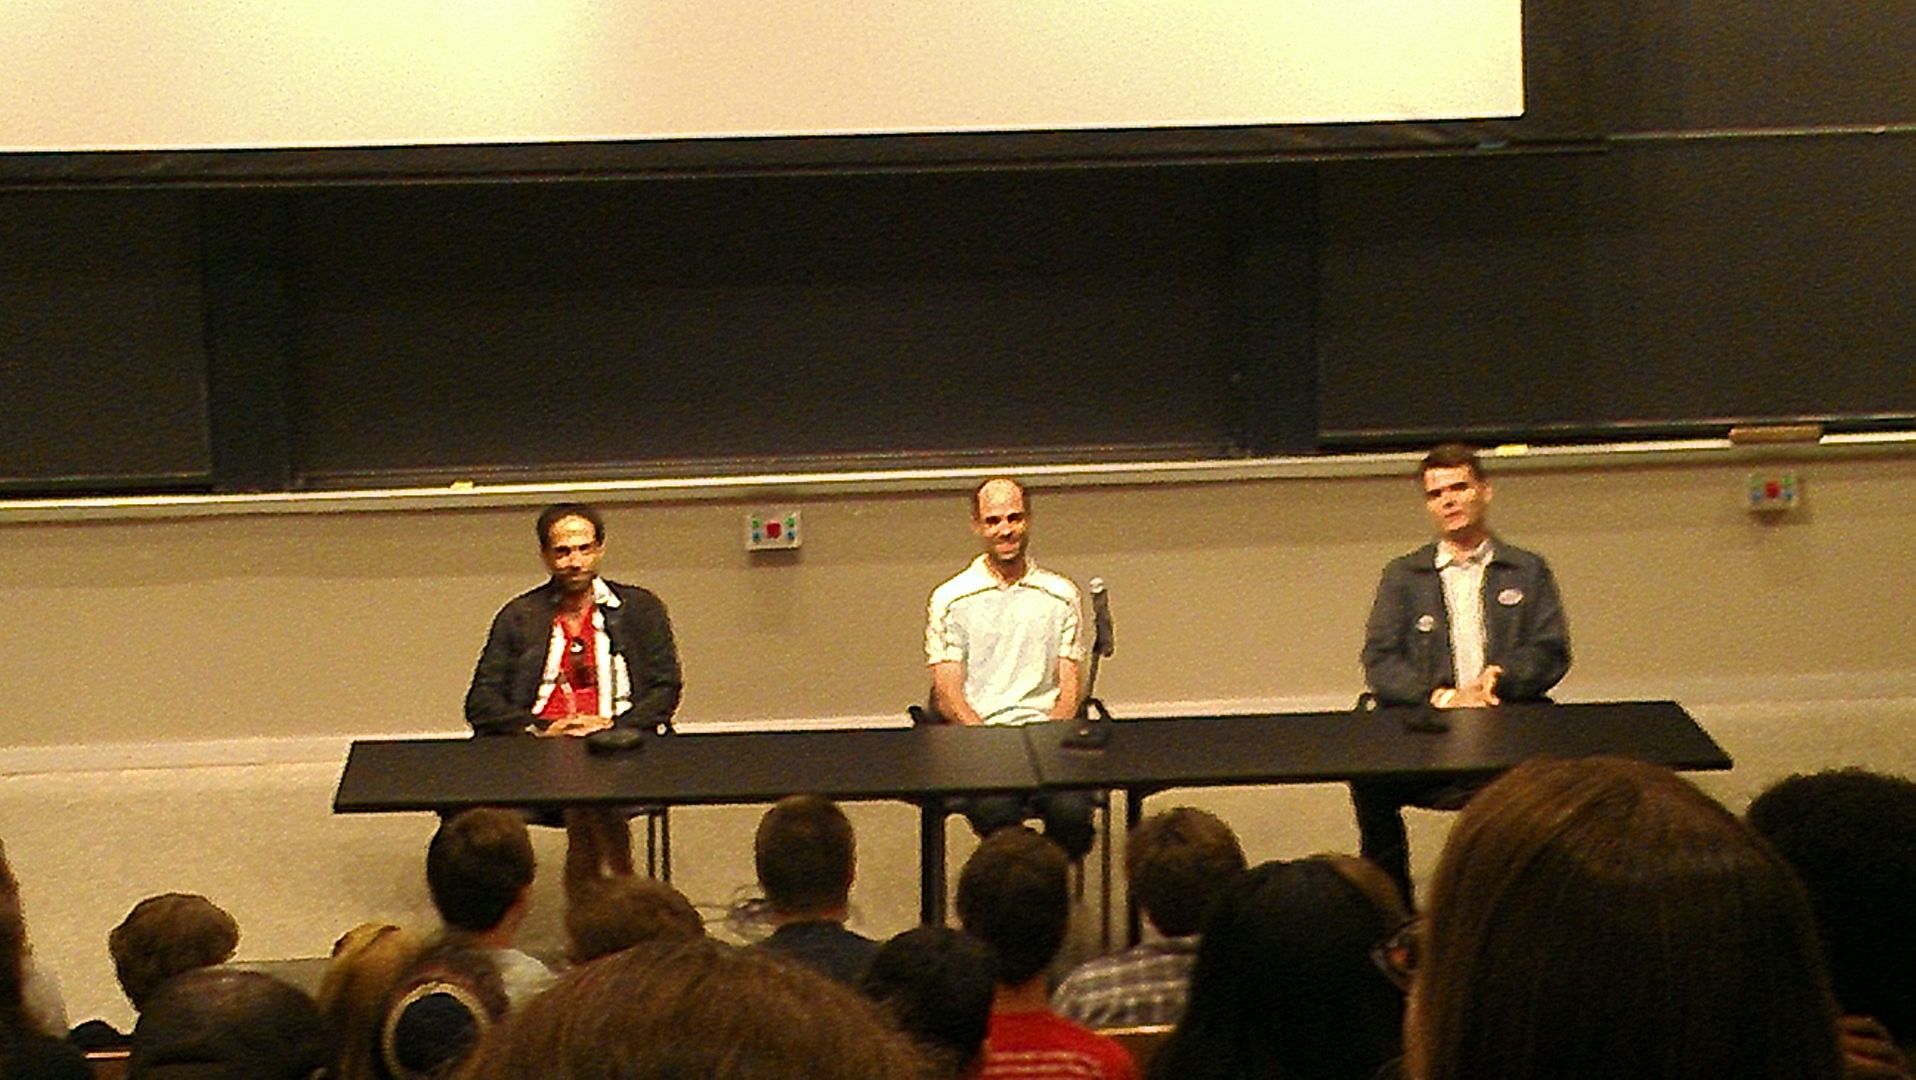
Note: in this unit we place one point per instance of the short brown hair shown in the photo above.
(476, 867)
(1452, 455)
(1604, 917)
(750, 1014)
(1013, 896)
(936, 983)
(805, 854)
(606, 915)
(165, 935)
(1176, 863)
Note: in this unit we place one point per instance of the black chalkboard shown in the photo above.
(102, 374)
(1701, 220)
(1661, 287)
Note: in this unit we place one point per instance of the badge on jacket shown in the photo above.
(1510, 597)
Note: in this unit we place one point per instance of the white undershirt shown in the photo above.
(1463, 581)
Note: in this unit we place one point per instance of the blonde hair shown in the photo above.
(368, 962)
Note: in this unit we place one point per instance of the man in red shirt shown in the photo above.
(1013, 896)
(578, 654)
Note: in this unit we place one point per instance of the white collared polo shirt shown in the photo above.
(1009, 637)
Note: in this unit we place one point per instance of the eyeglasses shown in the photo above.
(1398, 955)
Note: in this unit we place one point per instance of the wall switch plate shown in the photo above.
(771, 530)
(1773, 493)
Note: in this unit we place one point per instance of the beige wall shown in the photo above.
(1240, 592)
(1251, 593)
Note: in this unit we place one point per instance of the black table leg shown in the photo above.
(931, 862)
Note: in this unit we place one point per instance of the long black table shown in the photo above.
(923, 766)
(1148, 755)
(1144, 756)
(927, 765)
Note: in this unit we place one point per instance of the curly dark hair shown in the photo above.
(1851, 836)
(804, 851)
(165, 935)
(476, 867)
(1176, 863)
(1013, 895)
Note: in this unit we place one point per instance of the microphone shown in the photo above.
(1093, 724)
(1102, 641)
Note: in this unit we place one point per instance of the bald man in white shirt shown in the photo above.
(1004, 642)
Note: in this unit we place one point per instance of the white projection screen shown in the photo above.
(82, 75)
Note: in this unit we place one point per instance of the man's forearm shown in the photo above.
(948, 694)
(1070, 691)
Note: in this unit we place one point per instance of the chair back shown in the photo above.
(108, 1064)
(927, 713)
(1141, 1042)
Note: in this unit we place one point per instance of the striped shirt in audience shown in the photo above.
(1142, 986)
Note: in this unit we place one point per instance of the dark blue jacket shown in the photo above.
(506, 680)
(1407, 638)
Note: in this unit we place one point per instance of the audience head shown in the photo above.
(1013, 896)
(1851, 837)
(478, 867)
(936, 983)
(606, 915)
(437, 1014)
(695, 1009)
(224, 1024)
(1604, 918)
(13, 951)
(165, 935)
(1284, 984)
(367, 962)
(805, 856)
(1176, 863)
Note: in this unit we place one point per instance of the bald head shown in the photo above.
(1001, 518)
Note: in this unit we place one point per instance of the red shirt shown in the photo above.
(1042, 1045)
(575, 692)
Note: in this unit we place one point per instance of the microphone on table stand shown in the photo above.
(1093, 728)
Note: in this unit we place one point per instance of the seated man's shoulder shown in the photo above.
(534, 601)
(1518, 556)
(1044, 1045)
(1138, 987)
(1052, 583)
(1418, 559)
(1094, 976)
(973, 578)
(523, 975)
(633, 594)
(826, 947)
